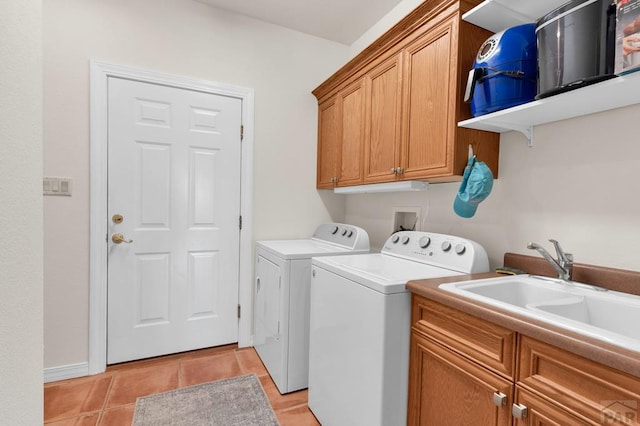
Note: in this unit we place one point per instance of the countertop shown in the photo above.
(610, 355)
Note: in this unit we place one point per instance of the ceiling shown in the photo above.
(342, 21)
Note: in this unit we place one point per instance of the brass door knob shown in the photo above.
(119, 239)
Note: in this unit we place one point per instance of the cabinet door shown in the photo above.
(447, 389)
(329, 124)
(585, 387)
(383, 121)
(543, 413)
(429, 103)
(352, 136)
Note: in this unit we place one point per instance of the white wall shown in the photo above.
(21, 213)
(390, 19)
(186, 38)
(576, 184)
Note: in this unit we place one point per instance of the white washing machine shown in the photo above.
(281, 303)
(360, 324)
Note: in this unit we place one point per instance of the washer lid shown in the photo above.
(303, 249)
(382, 273)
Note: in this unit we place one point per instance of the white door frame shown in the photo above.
(100, 72)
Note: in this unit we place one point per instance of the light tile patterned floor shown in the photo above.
(108, 399)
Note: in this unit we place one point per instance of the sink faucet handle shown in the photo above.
(563, 265)
(562, 256)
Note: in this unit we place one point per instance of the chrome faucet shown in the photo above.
(563, 265)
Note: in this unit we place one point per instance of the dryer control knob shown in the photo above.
(460, 248)
(395, 239)
(424, 242)
(446, 246)
(349, 234)
(334, 230)
(344, 232)
(405, 240)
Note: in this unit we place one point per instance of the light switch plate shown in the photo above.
(56, 186)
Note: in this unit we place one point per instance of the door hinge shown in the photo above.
(240, 221)
(239, 310)
(241, 132)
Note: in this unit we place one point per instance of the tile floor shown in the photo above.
(108, 399)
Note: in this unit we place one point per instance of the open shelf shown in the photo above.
(496, 15)
(615, 93)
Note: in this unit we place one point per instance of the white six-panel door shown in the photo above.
(174, 180)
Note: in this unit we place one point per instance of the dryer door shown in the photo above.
(267, 312)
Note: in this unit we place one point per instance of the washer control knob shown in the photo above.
(460, 248)
(446, 246)
(344, 232)
(424, 242)
(349, 234)
(405, 240)
(334, 230)
(395, 239)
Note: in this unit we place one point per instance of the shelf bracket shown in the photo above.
(527, 131)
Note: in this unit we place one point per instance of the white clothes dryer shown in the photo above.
(360, 324)
(281, 302)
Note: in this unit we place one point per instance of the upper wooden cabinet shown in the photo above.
(429, 103)
(329, 122)
(413, 81)
(352, 100)
(341, 132)
(382, 136)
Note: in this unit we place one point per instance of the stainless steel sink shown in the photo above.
(605, 315)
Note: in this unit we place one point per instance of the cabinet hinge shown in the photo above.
(239, 310)
(241, 132)
(240, 222)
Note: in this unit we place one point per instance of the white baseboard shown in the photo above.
(53, 374)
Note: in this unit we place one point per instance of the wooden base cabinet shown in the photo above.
(467, 371)
(406, 117)
(592, 392)
(447, 389)
(540, 413)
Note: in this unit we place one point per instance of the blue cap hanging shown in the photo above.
(476, 185)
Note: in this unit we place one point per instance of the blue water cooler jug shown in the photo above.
(504, 72)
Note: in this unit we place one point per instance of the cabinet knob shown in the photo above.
(499, 399)
(399, 170)
(394, 170)
(519, 411)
